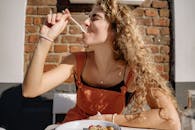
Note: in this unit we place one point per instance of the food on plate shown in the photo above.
(99, 127)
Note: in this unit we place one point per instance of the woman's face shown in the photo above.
(98, 28)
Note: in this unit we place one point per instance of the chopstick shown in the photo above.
(83, 30)
(77, 24)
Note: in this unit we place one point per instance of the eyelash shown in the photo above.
(94, 18)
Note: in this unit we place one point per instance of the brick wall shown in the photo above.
(153, 18)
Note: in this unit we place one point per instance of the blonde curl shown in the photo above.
(129, 47)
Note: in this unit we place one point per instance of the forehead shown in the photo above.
(97, 10)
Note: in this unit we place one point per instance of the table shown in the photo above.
(127, 128)
(52, 127)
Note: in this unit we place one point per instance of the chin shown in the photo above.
(87, 41)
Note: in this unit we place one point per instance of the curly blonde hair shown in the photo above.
(129, 47)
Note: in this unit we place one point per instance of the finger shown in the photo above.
(53, 20)
(58, 16)
(49, 17)
(63, 25)
(66, 12)
(64, 18)
(44, 29)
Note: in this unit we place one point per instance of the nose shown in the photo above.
(87, 22)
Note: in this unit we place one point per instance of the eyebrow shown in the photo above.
(95, 14)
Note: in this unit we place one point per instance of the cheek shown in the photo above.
(102, 33)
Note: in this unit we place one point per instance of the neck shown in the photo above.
(102, 57)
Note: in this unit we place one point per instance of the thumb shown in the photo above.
(44, 29)
(67, 13)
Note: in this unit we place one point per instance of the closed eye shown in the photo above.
(95, 17)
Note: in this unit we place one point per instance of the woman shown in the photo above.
(115, 70)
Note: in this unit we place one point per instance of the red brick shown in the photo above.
(165, 22)
(31, 29)
(164, 49)
(43, 10)
(155, 49)
(73, 29)
(33, 38)
(51, 49)
(29, 20)
(57, 40)
(79, 17)
(71, 39)
(164, 13)
(26, 39)
(65, 31)
(152, 15)
(165, 31)
(161, 58)
(53, 58)
(151, 12)
(31, 10)
(38, 20)
(159, 4)
(139, 12)
(146, 3)
(29, 48)
(60, 48)
(153, 31)
(148, 40)
(162, 40)
(48, 67)
(166, 67)
(144, 21)
(42, 2)
(166, 58)
(76, 48)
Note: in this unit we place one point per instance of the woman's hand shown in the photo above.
(104, 117)
(97, 117)
(55, 24)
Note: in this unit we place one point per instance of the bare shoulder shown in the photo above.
(69, 59)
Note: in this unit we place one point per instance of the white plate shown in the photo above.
(80, 124)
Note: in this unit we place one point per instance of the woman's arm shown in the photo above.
(162, 115)
(36, 82)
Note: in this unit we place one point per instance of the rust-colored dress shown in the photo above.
(91, 100)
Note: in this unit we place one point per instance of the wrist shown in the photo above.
(108, 117)
(46, 38)
(113, 117)
(44, 43)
